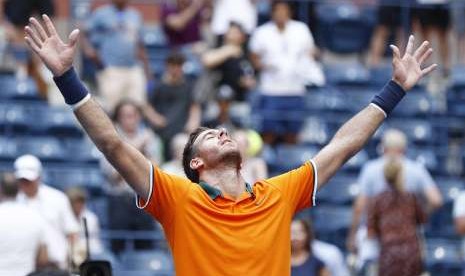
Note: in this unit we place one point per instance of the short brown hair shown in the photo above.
(189, 153)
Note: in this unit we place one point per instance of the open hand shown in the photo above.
(407, 69)
(45, 42)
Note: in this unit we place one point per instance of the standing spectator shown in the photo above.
(122, 213)
(303, 261)
(17, 14)
(393, 219)
(182, 21)
(253, 168)
(77, 197)
(22, 243)
(113, 42)
(172, 108)
(434, 19)
(243, 12)
(459, 220)
(282, 50)
(389, 19)
(174, 166)
(230, 60)
(417, 181)
(52, 205)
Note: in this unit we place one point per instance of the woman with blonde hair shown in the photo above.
(393, 219)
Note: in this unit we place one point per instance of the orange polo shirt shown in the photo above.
(212, 234)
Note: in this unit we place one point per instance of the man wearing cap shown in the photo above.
(51, 204)
(22, 243)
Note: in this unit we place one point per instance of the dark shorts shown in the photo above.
(282, 114)
(434, 16)
(19, 11)
(390, 16)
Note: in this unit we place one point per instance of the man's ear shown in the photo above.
(196, 163)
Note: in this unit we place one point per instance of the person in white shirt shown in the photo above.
(283, 51)
(22, 244)
(78, 198)
(52, 205)
(459, 220)
(331, 256)
(242, 12)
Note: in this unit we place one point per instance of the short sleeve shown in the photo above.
(166, 192)
(459, 206)
(255, 45)
(298, 186)
(425, 178)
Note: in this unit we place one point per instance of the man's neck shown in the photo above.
(228, 180)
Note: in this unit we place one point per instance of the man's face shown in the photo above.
(298, 236)
(77, 206)
(215, 146)
(281, 13)
(28, 187)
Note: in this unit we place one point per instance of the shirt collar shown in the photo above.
(213, 192)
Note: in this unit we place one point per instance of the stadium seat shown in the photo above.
(380, 75)
(341, 190)
(14, 118)
(315, 130)
(81, 150)
(99, 205)
(90, 178)
(417, 131)
(353, 74)
(331, 223)
(8, 149)
(292, 156)
(345, 28)
(57, 121)
(417, 104)
(443, 257)
(458, 77)
(14, 89)
(158, 262)
(426, 156)
(47, 149)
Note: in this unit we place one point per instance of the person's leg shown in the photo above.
(137, 85)
(377, 46)
(271, 120)
(111, 86)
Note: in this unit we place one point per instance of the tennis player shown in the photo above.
(215, 222)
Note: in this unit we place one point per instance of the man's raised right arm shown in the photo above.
(58, 57)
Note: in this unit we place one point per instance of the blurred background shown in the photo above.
(281, 77)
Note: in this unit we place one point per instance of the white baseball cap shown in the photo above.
(28, 167)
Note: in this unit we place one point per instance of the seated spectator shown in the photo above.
(122, 212)
(51, 204)
(253, 168)
(459, 220)
(22, 234)
(282, 50)
(181, 21)
(172, 108)
(113, 42)
(77, 197)
(230, 60)
(393, 218)
(174, 166)
(303, 261)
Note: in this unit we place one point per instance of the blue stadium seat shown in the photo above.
(379, 76)
(99, 205)
(315, 130)
(331, 223)
(14, 118)
(458, 77)
(292, 156)
(417, 104)
(82, 150)
(353, 74)
(14, 89)
(158, 262)
(57, 121)
(344, 28)
(426, 156)
(417, 131)
(340, 190)
(8, 149)
(47, 149)
(90, 178)
(443, 257)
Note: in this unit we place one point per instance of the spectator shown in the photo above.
(52, 205)
(122, 213)
(172, 108)
(17, 15)
(113, 42)
(393, 218)
(459, 220)
(331, 256)
(243, 12)
(22, 243)
(78, 199)
(174, 166)
(417, 181)
(303, 261)
(221, 117)
(434, 19)
(182, 21)
(253, 168)
(282, 50)
(230, 60)
(389, 19)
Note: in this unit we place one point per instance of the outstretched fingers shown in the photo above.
(425, 55)
(421, 50)
(428, 69)
(49, 25)
(409, 48)
(38, 28)
(32, 44)
(32, 35)
(395, 52)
